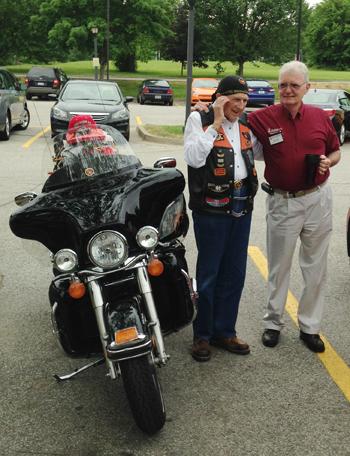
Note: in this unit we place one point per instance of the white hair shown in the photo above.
(294, 67)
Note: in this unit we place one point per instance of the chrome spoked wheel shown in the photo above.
(25, 120)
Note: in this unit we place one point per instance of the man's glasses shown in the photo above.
(285, 85)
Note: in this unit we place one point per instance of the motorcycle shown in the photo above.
(120, 278)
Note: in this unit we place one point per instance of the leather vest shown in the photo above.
(211, 186)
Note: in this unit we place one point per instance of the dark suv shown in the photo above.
(45, 81)
(13, 105)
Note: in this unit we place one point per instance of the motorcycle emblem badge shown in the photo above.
(89, 172)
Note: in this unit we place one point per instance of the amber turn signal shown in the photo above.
(125, 335)
(76, 290)
(155, 267)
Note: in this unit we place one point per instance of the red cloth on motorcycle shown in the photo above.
(87, 123)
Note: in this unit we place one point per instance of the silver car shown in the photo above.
(13, 106)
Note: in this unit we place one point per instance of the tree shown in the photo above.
(174, 46)
(328, 35)
(248, 30)
(137, 27)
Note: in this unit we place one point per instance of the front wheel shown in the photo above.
(341, 134)
(144, 393)
(25, 120)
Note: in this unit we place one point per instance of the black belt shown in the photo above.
(286, 194)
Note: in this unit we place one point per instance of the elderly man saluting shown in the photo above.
(222, 184)
(294, 137)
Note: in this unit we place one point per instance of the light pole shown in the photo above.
(190, 34)
(298, 53)
(107, 38)
(94, 31)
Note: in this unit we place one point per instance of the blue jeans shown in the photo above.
(222, 244)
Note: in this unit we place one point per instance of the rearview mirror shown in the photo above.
(165, 162)
(24, 198)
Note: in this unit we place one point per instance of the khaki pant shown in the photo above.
(309, 218)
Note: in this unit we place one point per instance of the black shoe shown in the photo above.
(313, 342)
(201, 350)
(270, 337)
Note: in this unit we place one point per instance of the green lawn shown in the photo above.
(169, 70)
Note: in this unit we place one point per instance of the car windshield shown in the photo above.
(41, 72)
(258, 84)
(316, 97)
(157, 83)
(91, 91)
(86, 152)
(205, 83)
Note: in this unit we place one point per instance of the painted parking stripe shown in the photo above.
(27, 144)
(335, 365)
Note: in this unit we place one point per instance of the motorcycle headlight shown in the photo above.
(108, 249)
(147, 237)
(59, 114)
(171, 217)
(65, 260)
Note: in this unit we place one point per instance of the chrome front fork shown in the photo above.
(146, 291)
(97, 303)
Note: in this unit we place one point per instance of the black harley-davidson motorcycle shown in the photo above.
(120, 278)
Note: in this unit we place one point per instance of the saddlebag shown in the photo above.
(74, 321)
(171, 292)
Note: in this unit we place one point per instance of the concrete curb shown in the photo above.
(143, 133)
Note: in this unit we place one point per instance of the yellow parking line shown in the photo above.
(335, 365)
(27, 144)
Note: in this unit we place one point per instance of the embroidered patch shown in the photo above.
(219, 137)
(217, 202)
(218, 188)
(219, 172)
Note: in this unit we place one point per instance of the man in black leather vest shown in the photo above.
(222, 184)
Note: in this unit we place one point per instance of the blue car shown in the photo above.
(260, 92)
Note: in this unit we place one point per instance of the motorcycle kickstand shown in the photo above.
(62, 378)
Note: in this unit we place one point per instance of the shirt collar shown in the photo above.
(300, 112)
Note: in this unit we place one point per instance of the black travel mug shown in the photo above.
(312, 161)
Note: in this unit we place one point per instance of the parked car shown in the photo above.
(336, 103)
(155, 91)
(260, 92)
(44, 81)
(103, 100)
(203, 89)
(13, 106)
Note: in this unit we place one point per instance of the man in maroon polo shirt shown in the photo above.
(299, 202)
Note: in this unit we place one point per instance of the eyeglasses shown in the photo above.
(284, 85)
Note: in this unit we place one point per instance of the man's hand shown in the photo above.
(325, 164)
(200, 106)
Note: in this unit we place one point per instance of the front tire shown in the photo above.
(342, 134)
(5, 135)
(144, 393)
(25, 121)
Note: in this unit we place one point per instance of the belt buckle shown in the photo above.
(237, 184)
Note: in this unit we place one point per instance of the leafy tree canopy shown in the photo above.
(328, 35)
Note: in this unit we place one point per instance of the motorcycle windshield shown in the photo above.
(87, 152)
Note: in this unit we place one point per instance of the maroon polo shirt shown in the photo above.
(311, 132)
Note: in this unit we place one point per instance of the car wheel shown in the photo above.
(171, 103)
(5, 135)
(127, 135)
(28, 96)
(142, 101)
(341, 134)
(25, 120)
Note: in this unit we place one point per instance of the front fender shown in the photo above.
(123, 315)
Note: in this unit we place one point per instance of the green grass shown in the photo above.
(172, 70)
(168, 131)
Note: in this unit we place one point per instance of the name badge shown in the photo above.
(276, 139)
